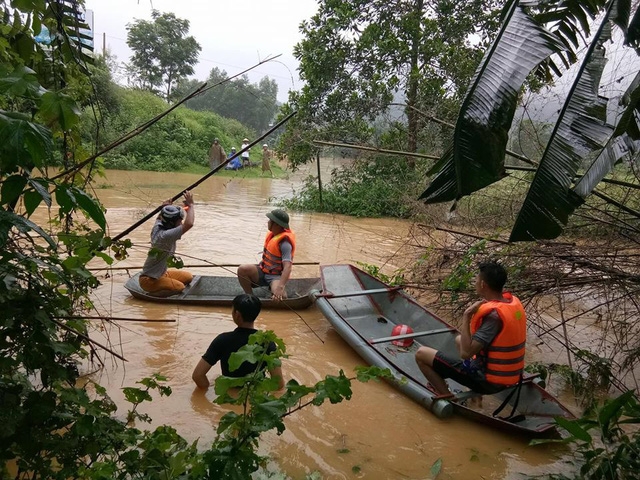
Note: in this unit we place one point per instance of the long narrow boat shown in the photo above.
(364, 311)
(214, 290)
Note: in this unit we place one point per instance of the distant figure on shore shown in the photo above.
(245, 155)
(244, 311)
(234, 164)
(216, 154)
(266, 157)
(168, 229)
(277, 258)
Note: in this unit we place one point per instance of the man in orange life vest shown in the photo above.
(491, 341)
(275, 267)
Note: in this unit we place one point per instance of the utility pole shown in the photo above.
(104, 44)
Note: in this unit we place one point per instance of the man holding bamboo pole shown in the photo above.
(171, 224)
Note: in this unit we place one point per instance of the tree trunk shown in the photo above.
(412, 87)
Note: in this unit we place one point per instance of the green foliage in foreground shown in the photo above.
(607, 440)
(383, 187)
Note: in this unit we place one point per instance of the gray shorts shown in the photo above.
(264, 279)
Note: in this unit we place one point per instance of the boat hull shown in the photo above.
(212, 290)
(363, 310)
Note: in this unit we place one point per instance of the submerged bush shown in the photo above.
(383, 187)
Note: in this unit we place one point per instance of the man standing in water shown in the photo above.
(491, 343)
(277, 258)
(244, 312)
(168, 229)
(216, 155)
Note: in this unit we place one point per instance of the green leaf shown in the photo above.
(436, 468)
(65, 199)
(574, 428)
(90, 206)
(59, 108)
(22, 82)
(136, 395)
(11, 189)
(22, 140)
(364, 374)
(10, 220)
(248, 353)
(613, 409)
(33, 198)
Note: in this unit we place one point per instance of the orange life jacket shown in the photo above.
(505, 355)
(271, 263)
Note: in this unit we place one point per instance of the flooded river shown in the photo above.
(379, 434)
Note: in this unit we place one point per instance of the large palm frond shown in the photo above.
(624, 141)
(476, 158)
(580, 130)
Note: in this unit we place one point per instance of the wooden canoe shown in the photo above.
(213, 290)
(364, 310)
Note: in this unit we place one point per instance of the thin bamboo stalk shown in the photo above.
(119, 319)
(199, 265)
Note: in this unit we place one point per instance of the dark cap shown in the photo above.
(280, 217)
(171, 213)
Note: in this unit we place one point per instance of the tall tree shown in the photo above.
(163, 53)
(358, 56)
(254, 105)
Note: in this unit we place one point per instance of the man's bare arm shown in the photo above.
(199, 374)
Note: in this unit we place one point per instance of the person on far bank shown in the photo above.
(216, 154)
(171, 224)
(245, 155)
(244, 311)
(491, 343)
(266, 157)
(274, 270)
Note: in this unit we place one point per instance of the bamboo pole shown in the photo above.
(85, 337)
(375, 149)
(203, 265)
(319, 180)
(119, 319)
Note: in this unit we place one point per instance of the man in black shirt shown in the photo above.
(245, 310)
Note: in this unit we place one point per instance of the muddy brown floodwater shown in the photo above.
(378, 434)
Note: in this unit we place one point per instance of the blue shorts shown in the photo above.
(451, 368)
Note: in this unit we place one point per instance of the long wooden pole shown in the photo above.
(212, 172)
(202, 265)
(119, 319)
(319, 180)
(375, 149)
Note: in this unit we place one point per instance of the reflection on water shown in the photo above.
(379, 433)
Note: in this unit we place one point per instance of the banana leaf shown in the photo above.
(632, 36)
(624, 141)
(476, 157)
(580, 130)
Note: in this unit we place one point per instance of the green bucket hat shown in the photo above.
(280, 217)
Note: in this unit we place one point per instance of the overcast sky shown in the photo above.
(233, 34)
